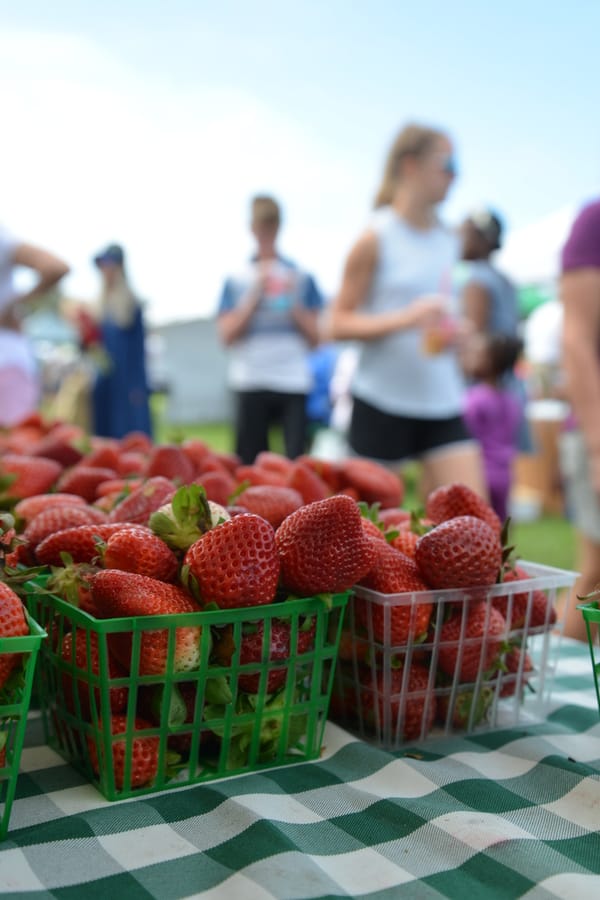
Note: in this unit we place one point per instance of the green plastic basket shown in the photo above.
(14, 706)
(591, 615)
(223, 717)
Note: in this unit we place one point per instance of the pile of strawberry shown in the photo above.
(460, 647)
(131, 529)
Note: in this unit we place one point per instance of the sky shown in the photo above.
(152, 124)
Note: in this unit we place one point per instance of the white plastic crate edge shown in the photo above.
(542, 643)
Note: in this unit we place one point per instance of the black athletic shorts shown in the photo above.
(380, 435)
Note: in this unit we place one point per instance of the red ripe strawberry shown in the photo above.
(394, 516)
(124, 594)
(406, 542)
(71, 582)
(137, 549)
(23, 476)
(196, 451)
(80, 542)
(456, 499)
(274, 461)
(12, 624)
(374, 483)
(371, 530)
(469, 708)
(219, 486)
(117, 486)
(229, 461)
(144, 499)
(481, 643)
(84, 480)
(394, 573)
(252, 650)
(308, 484)
(462, 552)
(105, 455)
(86, 657)
(515, 660)
(327, 470)
(136, 440)
(52, 446)
(57, 518)
(131, 462)
(271, 502)
(523, 611)
(28, 508)
(323, 548)
(258, 475)
(236, 563)
(417, 707)
(144, 754)
(170, 461)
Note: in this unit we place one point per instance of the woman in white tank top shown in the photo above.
(395, 300)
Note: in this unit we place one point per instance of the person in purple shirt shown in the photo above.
(580, 445)
(493, 412)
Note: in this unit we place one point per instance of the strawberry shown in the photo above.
(456, 499)
(12, 624)
(371, 530)
(518, 609)
(411, 713)
(29, 507)
(471, 639)
(461, 552)
(514, 660)
(144, 499)
(393, 516)
(394, 573)
(144, 753)
(323, 548)
(80, 542)
(327, 470)
(49, 521)
(170, 461)
(52, 446)
(254, 650)
(468, 709)
(253, 474)
(117, 486)
(86, 657)
(271, 502)
(131, 462)
(266, 459)
(186, 517)
(84, 480)
(136, 440)
(137, 549)
(229, 461)
(308, 484)
(105, 455)
(236, 563)
(374, 483)
(406, 542)
(124, 594)
(71, 582)
(196, 451)
(219, 486)
(23, 476)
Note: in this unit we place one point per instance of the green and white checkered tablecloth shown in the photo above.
(502, 814)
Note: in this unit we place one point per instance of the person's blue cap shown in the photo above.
(113, 254)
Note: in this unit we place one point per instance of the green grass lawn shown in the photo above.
(549, 540)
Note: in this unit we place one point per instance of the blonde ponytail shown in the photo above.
(414, 140)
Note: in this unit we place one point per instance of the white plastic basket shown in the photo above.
(375, 694)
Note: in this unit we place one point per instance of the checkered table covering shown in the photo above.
(502, 814)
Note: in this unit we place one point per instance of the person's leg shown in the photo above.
(448, 455)
(588, 564)
(251, 424)
(294, 423)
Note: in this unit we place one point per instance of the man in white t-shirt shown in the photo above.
(19, 386)
(268, 320)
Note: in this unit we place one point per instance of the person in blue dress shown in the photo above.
(120, 395)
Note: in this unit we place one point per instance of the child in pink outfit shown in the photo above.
(493, 412)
